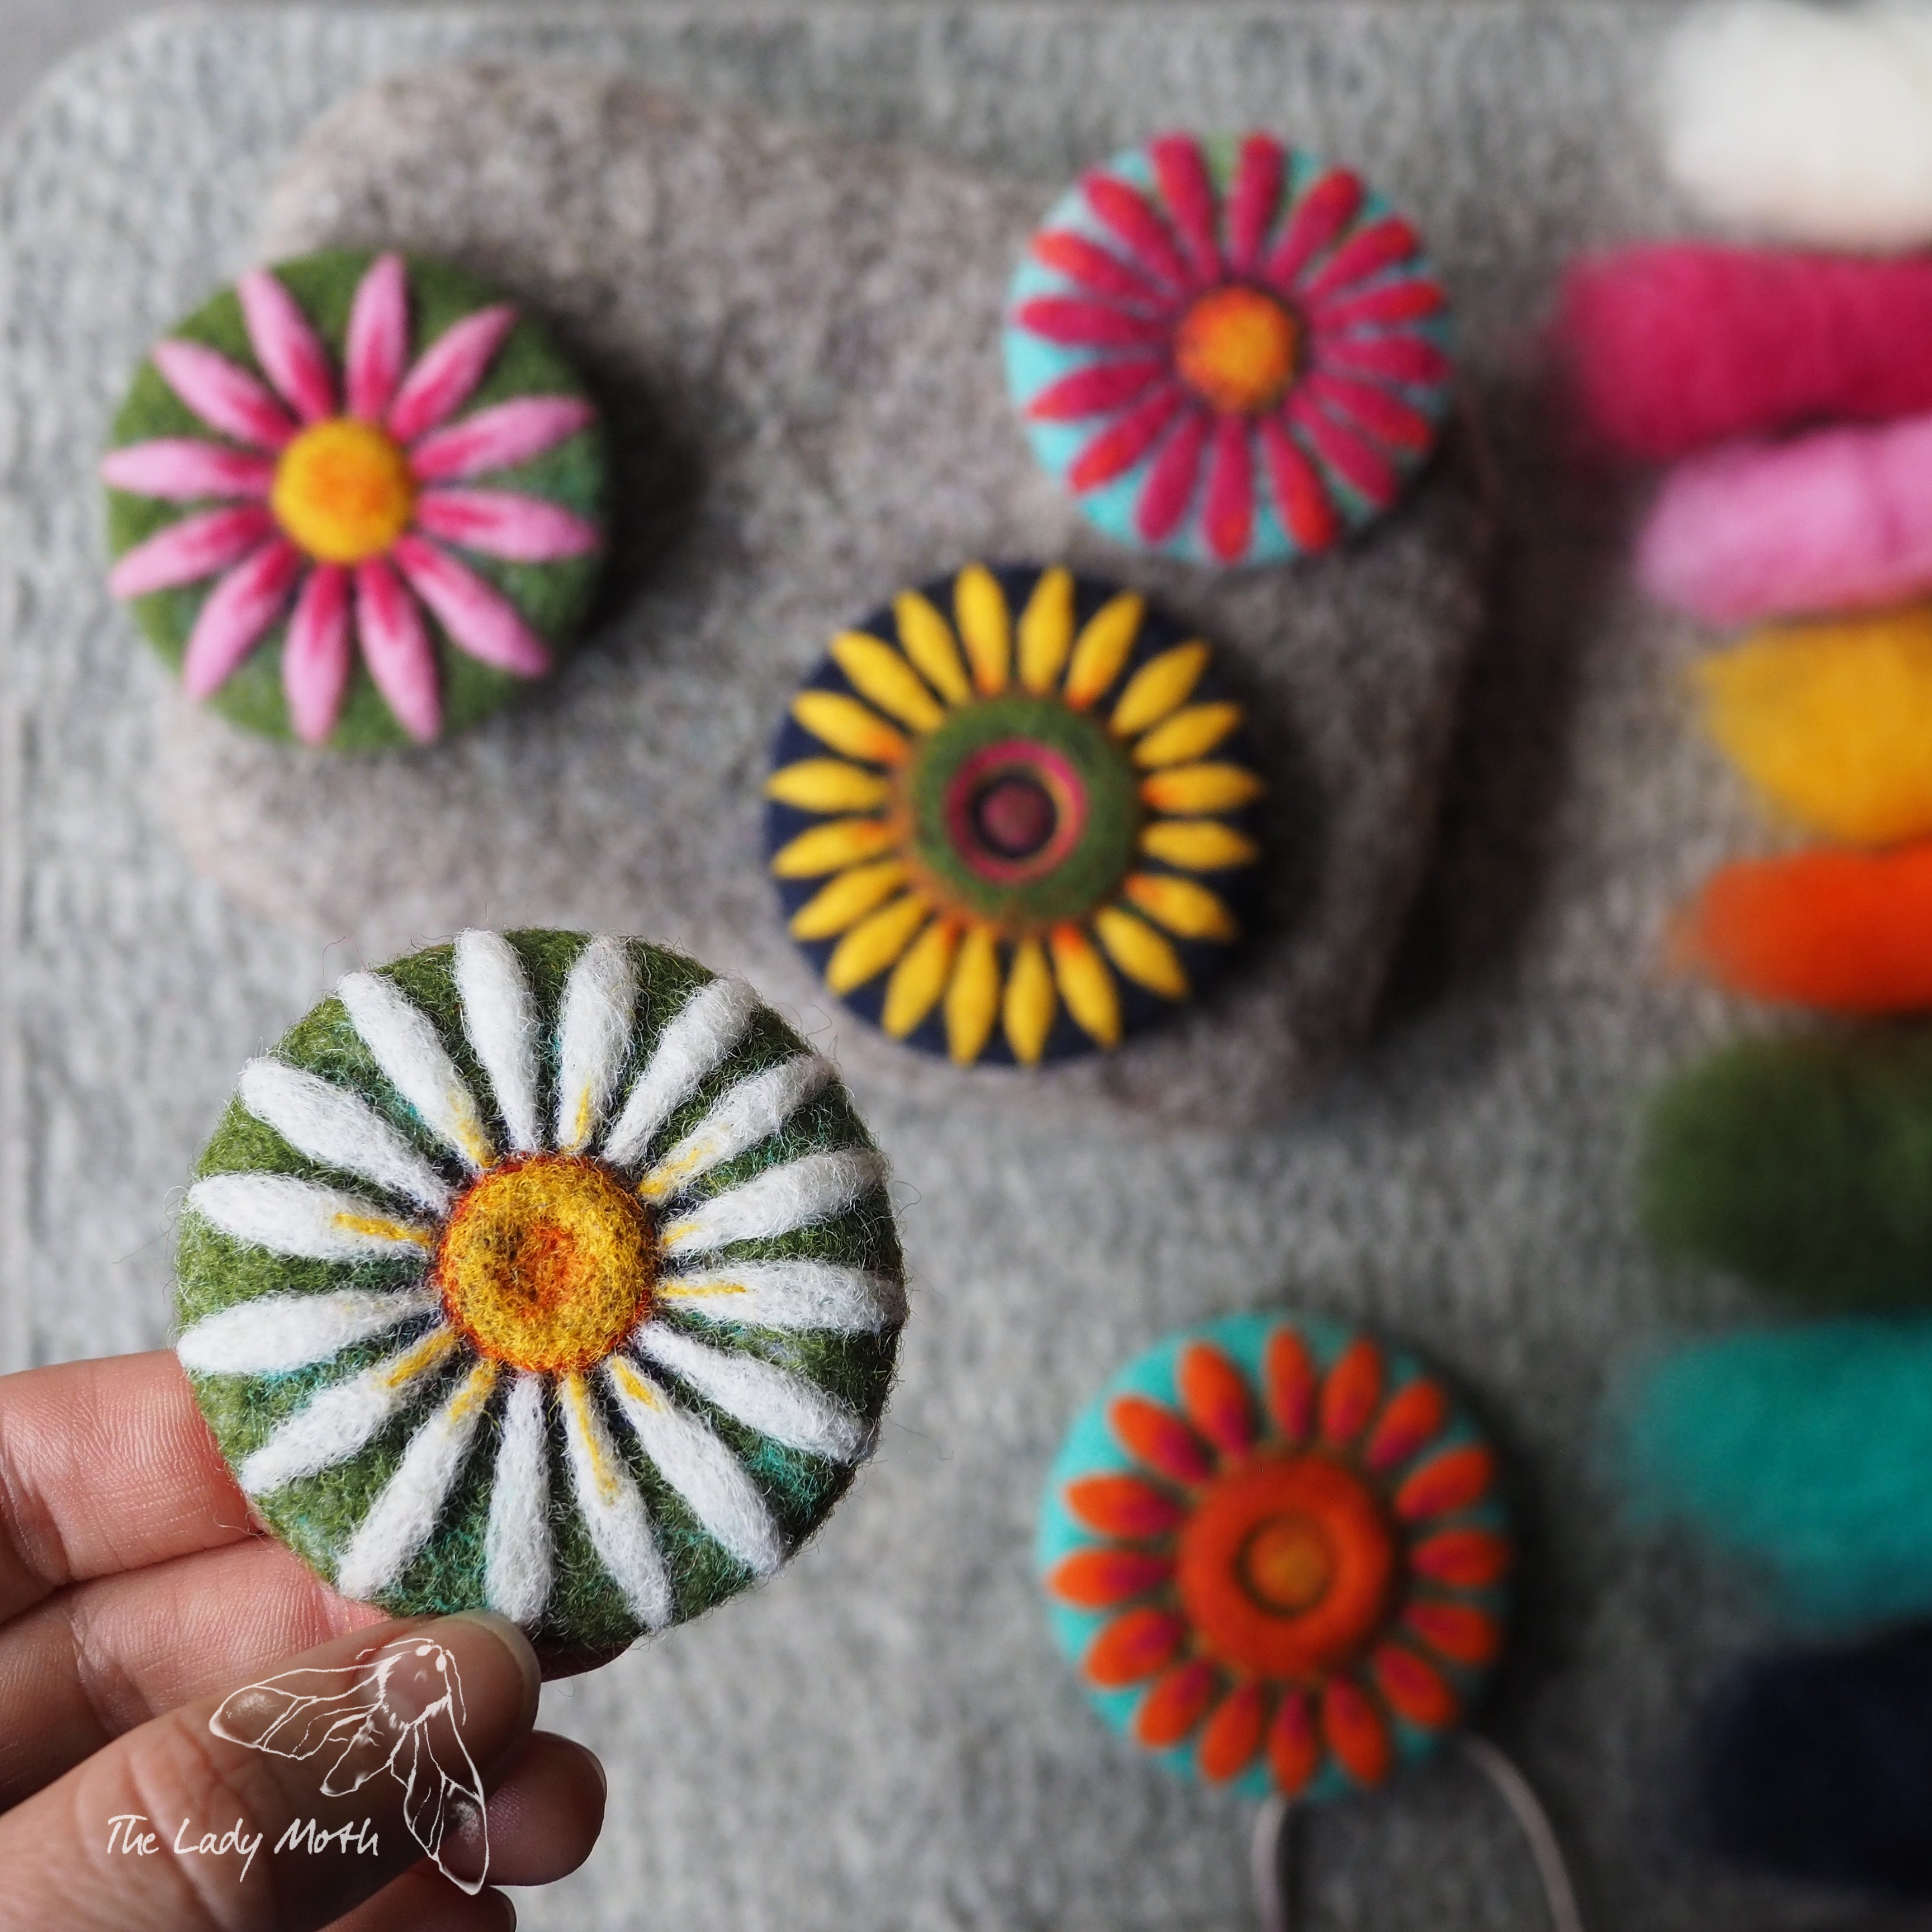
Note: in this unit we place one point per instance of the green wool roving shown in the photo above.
(544, 1272)
(1803, 1165)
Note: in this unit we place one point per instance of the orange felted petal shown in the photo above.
(1465, 1559)
(1097, 1579)
(1412, 1419)
(1159, 1438)
(1123, 1506)
(1172, 1709)
(1349, 1396)
(1233, 1733)
(1446, 1483)
(1215, 1393)
(1134, 1646)
(1357, 1732)
(1289, 1373)
(1293, 1747)
(1416, 1691)
(1458, 1631)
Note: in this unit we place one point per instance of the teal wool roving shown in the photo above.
(1806, 1451)
(544, 1272)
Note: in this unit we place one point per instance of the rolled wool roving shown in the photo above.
(543, 1272)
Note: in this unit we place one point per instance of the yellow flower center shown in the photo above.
(343, 491)
(1237, 350)
(547, 1263)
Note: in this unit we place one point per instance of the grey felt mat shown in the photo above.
(883, 1739)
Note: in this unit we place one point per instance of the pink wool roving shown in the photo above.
(1674, 346)
(1839, 520)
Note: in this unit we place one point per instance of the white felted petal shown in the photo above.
(398, 1033)
(771, 1400)
(410, 1503)
(707, 1027)
(276, 1333)
(288, 1217)
(500, 1017)
(516, 1558)
(755, 1107)
(593, 1036)
(789, 1294)
(704, 1473)
(339, 1128)
(613, 1511)
(778, 1201)
(336, 1422)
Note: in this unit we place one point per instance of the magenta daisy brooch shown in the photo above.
(1227, 350)
(356, 501)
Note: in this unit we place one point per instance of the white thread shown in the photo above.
(335, 1423)
(710, 1478)
(300, 1218)
(704, 1030)
(790, 1294)
(613, 1512)
(276, 1333)
(517, 1558)
(339, 1128)
(762, 1396)
(593, 1036)
(500, 1018)
(745, 1115)
(779, 1200)
(407, 1048)
(401, 1519)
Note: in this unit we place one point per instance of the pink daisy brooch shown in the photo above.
(1227, 350)
(356, 500)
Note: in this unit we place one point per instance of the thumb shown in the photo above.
(292, 1799)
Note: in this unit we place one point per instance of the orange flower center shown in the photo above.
(343, 491)
(1237, 350)
(547, 1262)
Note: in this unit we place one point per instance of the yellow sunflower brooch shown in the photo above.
(1007, 816)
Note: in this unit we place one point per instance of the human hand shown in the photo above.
(134, 1598)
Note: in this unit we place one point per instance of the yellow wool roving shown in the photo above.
(1833, 722)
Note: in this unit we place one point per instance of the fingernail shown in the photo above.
(516, 1643)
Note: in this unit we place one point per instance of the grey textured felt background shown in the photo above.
(883, 1739)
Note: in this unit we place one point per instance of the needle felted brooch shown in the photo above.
(356, 501)
(1007, 816)
(1227, 350)
(542, 1272)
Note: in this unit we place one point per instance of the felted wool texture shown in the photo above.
(1804, 1166)
(437, 1412)
(1670, 346)
(851, 438)
(1804, 123)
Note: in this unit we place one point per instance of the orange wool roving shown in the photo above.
(1848, 932)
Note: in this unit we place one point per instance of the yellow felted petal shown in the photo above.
(874, 942)
(1834, 721)
(920, 978)
(831, 848)
(1161, 685)
(1188, 734)
(1103, 647)
(1198, 844)
(847, 899)
(928, 642)
(878, 672)
(1140, 952)
(851, 728)
(1187, 909)
(1030, 1003)
(1086, 984)
(973, 996)
(1215, 787)
(1046, 630)
(828, 785)
(986, 627)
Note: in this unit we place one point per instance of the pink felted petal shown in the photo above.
(1096, 388)
(1125, 441)
(500, 438)
(1408, 300)
(1172, 480)
(1229, 516)
(225, 397)
(186, 552)
(1076, 324)
(1096, 270)
(447, 373)
(286, 346)
(1371, 407)
(1253, 200)
(1397, 358)
(501, 523)
(379, 338)
(178, 468)
(1381, 245)
(479, 618)
(1356, 461)
(238, 614)
(397, 648)
(1318, 217)
(315, 657)
(1182, 172)
(1138, 223)
(1307, 511)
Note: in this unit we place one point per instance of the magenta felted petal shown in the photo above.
(379, 338)
(501, 523)
(237, 615)
(316, 658)
(287, 346)
(186, 552)
(178, 469)
(446, 375)
(500, 438)
(397, 648)
(224, 395)
(479, 618)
